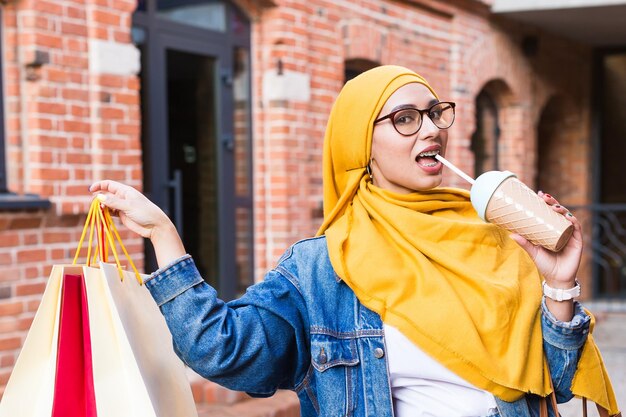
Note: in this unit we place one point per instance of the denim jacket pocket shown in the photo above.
(328, 351)
(335, 361)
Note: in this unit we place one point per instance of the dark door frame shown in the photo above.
(597, 208)
(161, 36)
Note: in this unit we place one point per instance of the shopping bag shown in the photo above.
(98, 337)
(135, 367)
(30, 389)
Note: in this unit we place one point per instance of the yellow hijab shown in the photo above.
(457, 287)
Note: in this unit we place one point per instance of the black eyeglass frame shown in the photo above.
(421, 113)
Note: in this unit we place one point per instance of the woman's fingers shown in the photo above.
(106, 185)
(116, 188)
(547, 198)
(553, 202)
(113, 202)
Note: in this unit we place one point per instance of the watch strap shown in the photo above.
(560, 294)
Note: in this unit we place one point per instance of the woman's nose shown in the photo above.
(428, 129)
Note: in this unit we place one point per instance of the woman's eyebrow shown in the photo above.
(402, 107)
(412, 106)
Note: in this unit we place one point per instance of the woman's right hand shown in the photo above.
(141, 216)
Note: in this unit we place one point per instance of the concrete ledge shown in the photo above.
(507, 6)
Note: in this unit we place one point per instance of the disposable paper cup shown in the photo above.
(500, 198)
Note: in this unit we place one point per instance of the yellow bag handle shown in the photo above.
(99, 220)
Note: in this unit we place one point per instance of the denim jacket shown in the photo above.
(303, 329)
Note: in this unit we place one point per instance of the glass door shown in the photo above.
(192, 138)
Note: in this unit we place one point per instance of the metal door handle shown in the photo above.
(176, 184)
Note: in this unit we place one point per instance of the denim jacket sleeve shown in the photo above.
(562, 343)
(255, 344)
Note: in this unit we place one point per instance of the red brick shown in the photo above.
(31, 255)
(132, 83)
(74, 29)
(57, 255)
(50, 141)
(75, 94)
(11, 325)
(7, 360)
(25, 223)
(11, 308)
(50, 174)
(8, 274)
(9, 239)
(57, 237)
(30, 239)
(107, 18)
(24, 323)
(74, 61)
(42, 123)
(121, 36)
(80, 111)
(113, 144)
(32, 305)
(9, 343)
(75, 12)
(111, 113)
(75, 126)
(32, 272)
(115, 81)
(50, 41)
(4, 376)
(48, 7)
(46, 157)
(30, 289)
(128, 129)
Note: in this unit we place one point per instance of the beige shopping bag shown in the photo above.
(30, 389)
(136, 372)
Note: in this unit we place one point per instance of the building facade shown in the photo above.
(217, 111)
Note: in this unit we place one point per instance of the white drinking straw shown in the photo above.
(455, 169)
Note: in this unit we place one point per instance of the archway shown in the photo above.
(492, 106)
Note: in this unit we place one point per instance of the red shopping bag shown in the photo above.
(74, 394)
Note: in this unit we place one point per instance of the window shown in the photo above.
(354, 67)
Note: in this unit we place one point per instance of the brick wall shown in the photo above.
(67, 124)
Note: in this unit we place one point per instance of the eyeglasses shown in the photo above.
(408, 121)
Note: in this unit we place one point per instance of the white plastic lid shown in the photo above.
(484, 187)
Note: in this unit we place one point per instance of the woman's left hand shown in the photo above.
(558, 268)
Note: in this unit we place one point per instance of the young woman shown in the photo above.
(406, 304)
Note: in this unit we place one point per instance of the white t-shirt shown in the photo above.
(422, 387)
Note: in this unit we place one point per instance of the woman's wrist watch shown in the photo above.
(560, 294)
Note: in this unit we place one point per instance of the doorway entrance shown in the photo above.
(196, 147)
(191, 140)
(609, 185)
